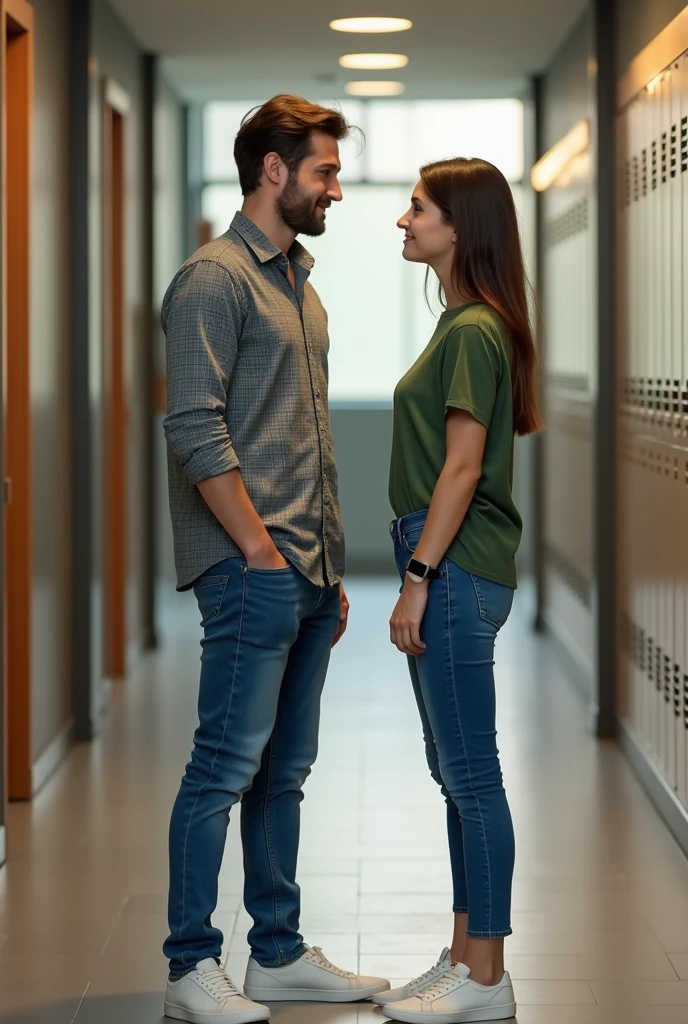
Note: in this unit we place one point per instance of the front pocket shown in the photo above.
(494, 600)
(284, 570)
(412, 537)
(210, 592)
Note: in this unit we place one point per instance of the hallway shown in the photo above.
(601, 892)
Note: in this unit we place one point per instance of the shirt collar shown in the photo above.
(266, 250)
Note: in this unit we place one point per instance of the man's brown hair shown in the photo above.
(282, 125)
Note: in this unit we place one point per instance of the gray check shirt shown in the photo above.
(247, 383)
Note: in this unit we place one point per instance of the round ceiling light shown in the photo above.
(371, 24)
(373, 61)
(374, 88)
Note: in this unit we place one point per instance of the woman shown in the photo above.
(455, 415)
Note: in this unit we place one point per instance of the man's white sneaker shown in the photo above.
(416, 985)
(209, 996)
(311, 978)
(455, 999)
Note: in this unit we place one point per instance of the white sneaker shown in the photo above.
(455, 999)
(209, 996)
(311, 978)
(416, 985)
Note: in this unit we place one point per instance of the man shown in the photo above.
(258, 535)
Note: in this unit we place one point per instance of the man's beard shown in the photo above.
(297, 210)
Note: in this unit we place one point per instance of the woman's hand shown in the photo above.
(404, 626)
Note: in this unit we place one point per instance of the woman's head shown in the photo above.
(462, 223)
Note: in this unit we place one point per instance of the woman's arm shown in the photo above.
(455, 487)
(450, 501)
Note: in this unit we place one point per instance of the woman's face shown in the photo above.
(427, 237)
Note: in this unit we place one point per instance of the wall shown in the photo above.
(170, 253)
(638, 22)
(568, 271)
(565, 85)
(117, 56)
(50, 346)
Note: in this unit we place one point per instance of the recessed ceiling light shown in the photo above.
(374, 61)
(374, 88)
(371, 24)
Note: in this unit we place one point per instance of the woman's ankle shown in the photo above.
(487, 974)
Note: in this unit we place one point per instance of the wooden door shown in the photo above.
(17, 98)
(114, 475)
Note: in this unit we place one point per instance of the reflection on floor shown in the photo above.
(601, 893)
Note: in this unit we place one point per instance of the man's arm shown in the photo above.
(227, 498)
(203, 322)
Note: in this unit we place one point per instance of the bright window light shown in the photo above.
(403, 136)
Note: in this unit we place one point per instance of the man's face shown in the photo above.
(312, 188)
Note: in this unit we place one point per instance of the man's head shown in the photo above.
(288, 148)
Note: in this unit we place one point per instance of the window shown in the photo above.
(378, 317)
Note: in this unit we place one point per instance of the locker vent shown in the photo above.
(654, 165)
(636, 180)
(572, 222)
(664, 158)
(644, 178)
(672, 153)
(574, 577)
(626, 184)
(649, 393)
(684, 143)
(574, 386)
(639, 649)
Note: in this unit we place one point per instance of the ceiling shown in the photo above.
(224, 49)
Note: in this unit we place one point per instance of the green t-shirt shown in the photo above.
(466, 365)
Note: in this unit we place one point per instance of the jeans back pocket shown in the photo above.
(494, 600)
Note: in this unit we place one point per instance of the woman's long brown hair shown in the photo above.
(488, 264)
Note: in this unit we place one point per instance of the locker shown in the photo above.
(682, 502)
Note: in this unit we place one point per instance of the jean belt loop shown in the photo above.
(399, 532)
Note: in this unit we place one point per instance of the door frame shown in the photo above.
(115, 110)
(17, 18)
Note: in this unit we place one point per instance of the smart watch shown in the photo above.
(420, 571)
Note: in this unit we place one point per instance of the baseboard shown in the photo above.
(3, 845)
(51, 757)
(662, 797)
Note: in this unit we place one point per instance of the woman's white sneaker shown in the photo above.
(311, 978)
(209, 996)
(416, 985)
(455, 999)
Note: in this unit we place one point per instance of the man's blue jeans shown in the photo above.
(266, 647)
(455, 692)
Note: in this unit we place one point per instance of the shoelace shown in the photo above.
(219, 984)
(442, 986)
(317, 956)
(437, 971)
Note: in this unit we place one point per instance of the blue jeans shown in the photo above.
(455, 691)
(267, 636)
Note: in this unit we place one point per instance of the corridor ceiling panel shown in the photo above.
(224, 49)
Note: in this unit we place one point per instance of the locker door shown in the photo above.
(682, 503)
(678, 271)
(635, 300)
(654, 344)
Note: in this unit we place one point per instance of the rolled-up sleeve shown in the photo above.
(202, 319)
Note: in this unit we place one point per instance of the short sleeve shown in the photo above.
(470, 372)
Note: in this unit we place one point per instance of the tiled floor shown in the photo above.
(601, 891)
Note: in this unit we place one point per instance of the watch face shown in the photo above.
(416, 570)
